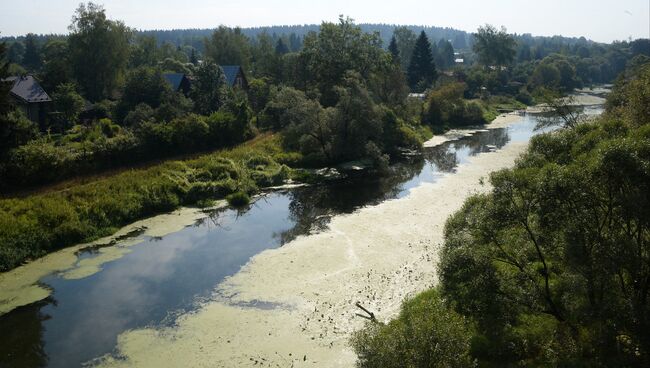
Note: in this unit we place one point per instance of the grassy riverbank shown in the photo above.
(33, 226)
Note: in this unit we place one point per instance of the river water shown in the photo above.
(164, 277)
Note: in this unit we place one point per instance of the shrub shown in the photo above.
(427, 333)
(238, 199)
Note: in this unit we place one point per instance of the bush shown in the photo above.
(427, 333)
(238, 199)
(445, 107)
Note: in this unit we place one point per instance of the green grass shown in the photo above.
(33, 226)
(492, 106)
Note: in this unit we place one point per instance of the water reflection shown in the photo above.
(162, 277)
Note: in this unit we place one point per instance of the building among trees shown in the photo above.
(179, 82)
(30, 97)
(235, 76)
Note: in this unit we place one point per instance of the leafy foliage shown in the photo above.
(99, 50)
(427, 333)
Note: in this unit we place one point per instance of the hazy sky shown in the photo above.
(600, 20)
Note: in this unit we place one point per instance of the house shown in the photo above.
(30, 97)
(179, 82)
(235, 76)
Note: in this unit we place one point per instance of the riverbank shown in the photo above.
(295, 304)
(501, 121)
(34, 226)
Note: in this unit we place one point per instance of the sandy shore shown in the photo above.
(305, 291)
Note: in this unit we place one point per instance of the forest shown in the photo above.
(315, 97)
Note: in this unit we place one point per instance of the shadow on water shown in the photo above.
(163, 277)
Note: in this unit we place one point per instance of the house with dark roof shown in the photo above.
(179, 82)
(30, 97)
(235, 76)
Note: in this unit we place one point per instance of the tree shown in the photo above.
(422, 71)
(143, 85)
(175, 66)
(546, 75)
(280, 47)
(228, 46)
(405, 39)
(16, 53)
(56, 64)
(68, 103)
(32, 57)
(336, 50)
(193, 59)
(427, 333)
(494, 47)
(266, 59)
(99, 50)
(460, 42)
(144, 52)
(394, 50)
(445, 58)
(5, 99)
(259, 91)
(552, 264)
(209, 89)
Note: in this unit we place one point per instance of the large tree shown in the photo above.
(338, 48)
(422, 70)
(394, 50)
(209, 89)
(405, 39)
(143, 85)
(228, 46)
(32, 57)
(494, 47)
(56, 64)
(445, 58)
(99, 50)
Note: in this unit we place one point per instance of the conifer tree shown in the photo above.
(421, 70)
(281, 48)
(394, 50)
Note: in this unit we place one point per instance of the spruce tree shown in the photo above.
(281, 48)
(421, 70)
(394, 50)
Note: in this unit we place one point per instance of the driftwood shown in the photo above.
(370, 316)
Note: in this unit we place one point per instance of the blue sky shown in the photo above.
(600, 20)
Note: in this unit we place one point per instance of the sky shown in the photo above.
(598, 20)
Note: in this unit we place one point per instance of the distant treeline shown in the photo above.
(461, 40)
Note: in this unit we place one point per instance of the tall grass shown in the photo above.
(33, 226)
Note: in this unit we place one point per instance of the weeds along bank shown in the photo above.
(36, 225)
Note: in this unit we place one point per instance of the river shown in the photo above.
(163, 278)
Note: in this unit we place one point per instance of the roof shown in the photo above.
(174, 79)
(28, 89)
(231, 72)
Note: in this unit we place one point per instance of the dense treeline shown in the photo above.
(112, 105)
(551, 268)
